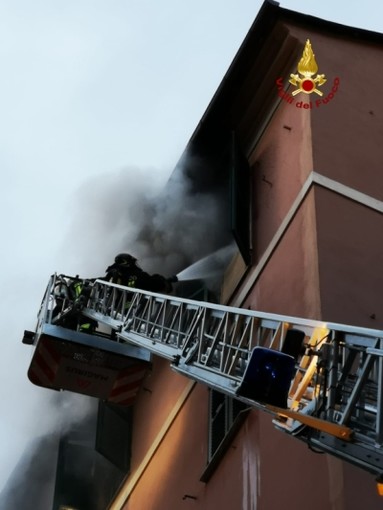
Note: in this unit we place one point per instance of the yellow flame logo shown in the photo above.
(307, 67)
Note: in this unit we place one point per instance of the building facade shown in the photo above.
(299, 177)
(285, 166)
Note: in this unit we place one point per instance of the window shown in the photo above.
(114, 434)
(240, 189)
(226, 415)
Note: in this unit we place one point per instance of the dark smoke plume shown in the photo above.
(165, 225)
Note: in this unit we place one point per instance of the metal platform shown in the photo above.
(91, 364)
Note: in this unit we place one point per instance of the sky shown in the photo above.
(97, 96)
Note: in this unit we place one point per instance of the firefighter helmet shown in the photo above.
(125, 258)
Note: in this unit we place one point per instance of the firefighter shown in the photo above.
(80, 292)
(72, 294)
(125, 271)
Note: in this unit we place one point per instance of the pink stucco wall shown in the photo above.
(327, 265)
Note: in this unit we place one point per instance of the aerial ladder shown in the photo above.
(321, 382)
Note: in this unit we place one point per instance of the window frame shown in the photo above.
(234, 413)
(241, 200)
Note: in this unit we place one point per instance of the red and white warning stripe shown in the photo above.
(128, 384)
(45, 364)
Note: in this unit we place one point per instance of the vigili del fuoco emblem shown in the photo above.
(307, 68)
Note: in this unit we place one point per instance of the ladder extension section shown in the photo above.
(336, 385)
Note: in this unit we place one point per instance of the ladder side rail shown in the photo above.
(216, 308)
(169, 320)
(185, 318)
(97, 299)
(363, 341)
(333, 368)
(164, 325)
(137, 309)
(119, 303)
(67, 302)
(355, 394)
(279, 336)
(217, 345)
(351, 398)
(172, 331)
(239, 340)
(361, 380)
(149, 316)
(264, 335)
(155, 323)
(115, 304)
(149, 323)
(203, 323)
(202, 344)
(216, 338)
(167, 317)
(191, 339)
(183, 324)
(365, 403)
(43, 315)
(214, 367)
(344, 378)
(349, 356)
(137, 314)
(213, 349)
(158, 321)
(195, 317)
(186, 324)
(240, 355)
(211, 373)
(352, 333)
(379, 403)
(230, 342)
(234, 325)
(227, 339)
(168, 352)
(48, 303)
(242, 350)
(109, 298)
(214, 380)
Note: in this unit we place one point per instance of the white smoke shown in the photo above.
(107, 214)
(161, 222)
(29, 412)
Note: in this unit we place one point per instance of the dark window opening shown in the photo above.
(114, 434)
(85, 478)
(226, 415)
(240, 190)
